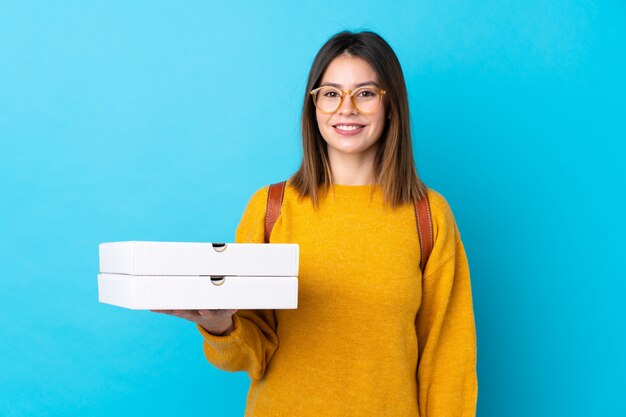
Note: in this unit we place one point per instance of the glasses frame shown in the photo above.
(350, 92)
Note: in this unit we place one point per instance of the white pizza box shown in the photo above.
(199, 258)
(158, 292)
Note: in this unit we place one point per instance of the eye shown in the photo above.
(330, 93)
(367, 93)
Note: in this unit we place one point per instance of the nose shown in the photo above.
(346, 106)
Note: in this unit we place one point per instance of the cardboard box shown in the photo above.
(192, 258)
(162, 292)
(186, 275)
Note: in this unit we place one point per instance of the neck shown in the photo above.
(350, 169)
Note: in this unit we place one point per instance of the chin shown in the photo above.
(352, 150)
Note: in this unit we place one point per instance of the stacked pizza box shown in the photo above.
(190, 275)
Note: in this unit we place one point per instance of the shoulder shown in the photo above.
(441, 211)
(256, 203)
(445, 231)
(260, 195)
(251, 226)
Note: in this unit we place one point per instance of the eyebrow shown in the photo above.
(356, 85)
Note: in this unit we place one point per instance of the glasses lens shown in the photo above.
(327, 99)
(366, 99)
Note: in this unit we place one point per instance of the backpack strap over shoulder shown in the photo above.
(272, 210)
(424, 229)
(422, 216)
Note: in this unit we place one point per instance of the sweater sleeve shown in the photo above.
(253, 341)
(446, 374)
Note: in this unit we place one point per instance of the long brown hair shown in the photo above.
(394, 167)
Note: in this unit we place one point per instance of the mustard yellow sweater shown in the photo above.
(371, 336)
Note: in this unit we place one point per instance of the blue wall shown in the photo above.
(157, 120)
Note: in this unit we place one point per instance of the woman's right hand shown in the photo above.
(216, 322)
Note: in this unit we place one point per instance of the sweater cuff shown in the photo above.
(230, 341)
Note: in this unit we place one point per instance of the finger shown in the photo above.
(185, 314)
(215, 313)
(181, 313)
(162, 311)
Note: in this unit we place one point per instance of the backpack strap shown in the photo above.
(422, 215)
(272, 210)
(424, 229)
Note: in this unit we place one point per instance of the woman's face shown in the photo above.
(346, 131)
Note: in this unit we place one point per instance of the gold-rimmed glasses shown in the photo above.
(365, 99)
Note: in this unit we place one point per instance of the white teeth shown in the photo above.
(345, 127)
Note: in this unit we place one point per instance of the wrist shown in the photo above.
(221, 331)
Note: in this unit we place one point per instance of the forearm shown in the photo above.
(248, 346)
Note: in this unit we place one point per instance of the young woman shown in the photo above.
(373, 335)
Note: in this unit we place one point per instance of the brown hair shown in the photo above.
(394, 166)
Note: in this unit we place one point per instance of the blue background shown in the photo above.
(158, 120)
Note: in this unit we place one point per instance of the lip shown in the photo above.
(348, 132)
(348, 124)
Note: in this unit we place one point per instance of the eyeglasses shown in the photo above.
(365, 99)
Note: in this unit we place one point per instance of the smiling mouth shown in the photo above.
(348, 127)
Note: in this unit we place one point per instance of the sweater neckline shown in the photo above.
(353, 190)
